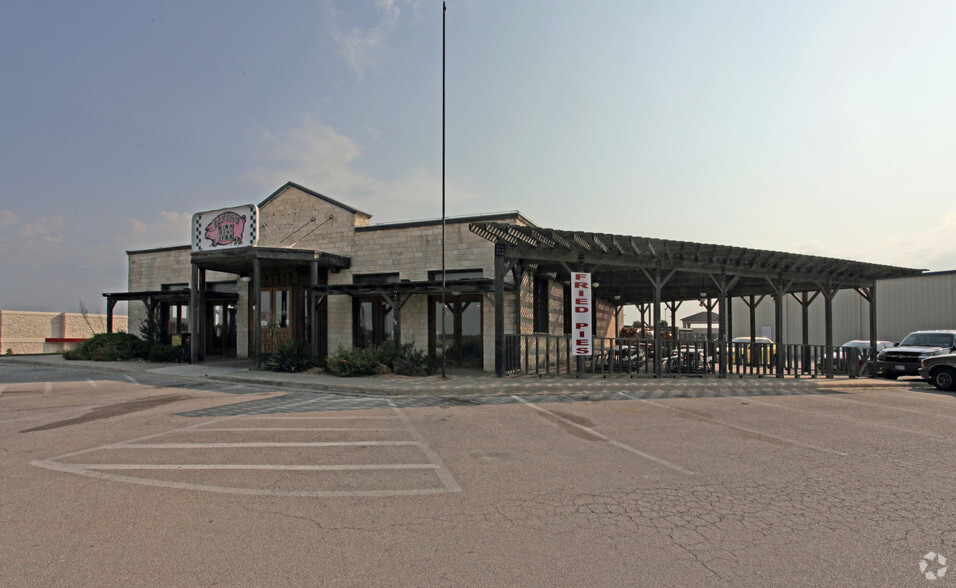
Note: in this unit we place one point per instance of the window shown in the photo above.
(374, 279)
(372, 320)
(456, 274)
(177, 318)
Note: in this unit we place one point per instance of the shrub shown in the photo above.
(290, 356)
(161, 352)
(402, 359)
(108, 347)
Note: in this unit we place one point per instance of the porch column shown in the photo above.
(828, 292)
(658, 282)
(658, 343)
(110, 304)
(256, 310)
(723, 289)
(869, 294)
(673, 306)
(500, 269)
(193, 313)
(780, 292)
(313, 319)
(396, 301)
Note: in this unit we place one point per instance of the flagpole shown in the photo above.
(444, 347)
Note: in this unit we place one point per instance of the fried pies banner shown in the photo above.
(226, 228)
(581, 316)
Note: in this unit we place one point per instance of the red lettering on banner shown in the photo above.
(580, 284)
(581, 309)
(581, 342)
(581, 325)
(583, 350)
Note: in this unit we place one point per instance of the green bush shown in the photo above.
(108, 347)
(402, 359)
(291, 356)
(160, 352)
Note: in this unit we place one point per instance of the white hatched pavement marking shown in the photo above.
(739, 428)
(94, 470)
(447, 480)
(253, 466)
(844, 418)
(2, 388)
(237, 429)
(92, 383)
(48, 388)
(131, 379)
(617, 444)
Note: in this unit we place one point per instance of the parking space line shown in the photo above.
(237, 429)
(447, 480)
(131, 379)
(256, 444)
(739, 428)
(291, 467)
(617, 444)
(845, 418)
(896, 408)
(92, 383)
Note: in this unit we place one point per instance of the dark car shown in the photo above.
(904, 359)
(941, 371)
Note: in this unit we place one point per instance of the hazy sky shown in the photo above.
(821, 127)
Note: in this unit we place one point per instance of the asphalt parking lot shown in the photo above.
(152, 479)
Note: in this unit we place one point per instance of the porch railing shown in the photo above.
(539, 354)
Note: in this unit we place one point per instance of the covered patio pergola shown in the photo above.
(632, 270)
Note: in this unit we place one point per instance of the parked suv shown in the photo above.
(941, 371)
(904, 359)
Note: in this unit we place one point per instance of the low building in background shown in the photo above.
(24, 332)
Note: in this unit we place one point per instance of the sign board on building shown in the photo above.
(581, 315)
(226, 228)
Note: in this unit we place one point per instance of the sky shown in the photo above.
(818, 127)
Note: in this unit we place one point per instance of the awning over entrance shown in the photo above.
(242, 261)
(249, 262)
(636, 270)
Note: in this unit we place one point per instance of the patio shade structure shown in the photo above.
(641, 270)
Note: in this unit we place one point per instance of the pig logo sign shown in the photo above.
(581, 316)
(225, 228)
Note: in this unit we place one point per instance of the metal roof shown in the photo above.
(623, 265)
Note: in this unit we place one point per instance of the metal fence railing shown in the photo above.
(539, 354)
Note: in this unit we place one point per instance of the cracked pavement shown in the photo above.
(777, 487)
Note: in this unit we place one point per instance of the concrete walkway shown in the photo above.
(456, 384)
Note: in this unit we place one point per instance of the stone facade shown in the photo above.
(50, 332)
(296, 218)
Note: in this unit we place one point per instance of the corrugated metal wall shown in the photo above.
(903, 305)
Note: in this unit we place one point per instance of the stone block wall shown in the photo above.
(415, 250)
(27, 332)
(152, 269)
(286, 221)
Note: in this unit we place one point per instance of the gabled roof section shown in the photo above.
(301, 188)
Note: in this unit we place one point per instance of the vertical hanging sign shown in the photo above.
(581, 315)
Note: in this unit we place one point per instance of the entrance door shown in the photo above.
(464, 347)
(276, 321)
(222, 329)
